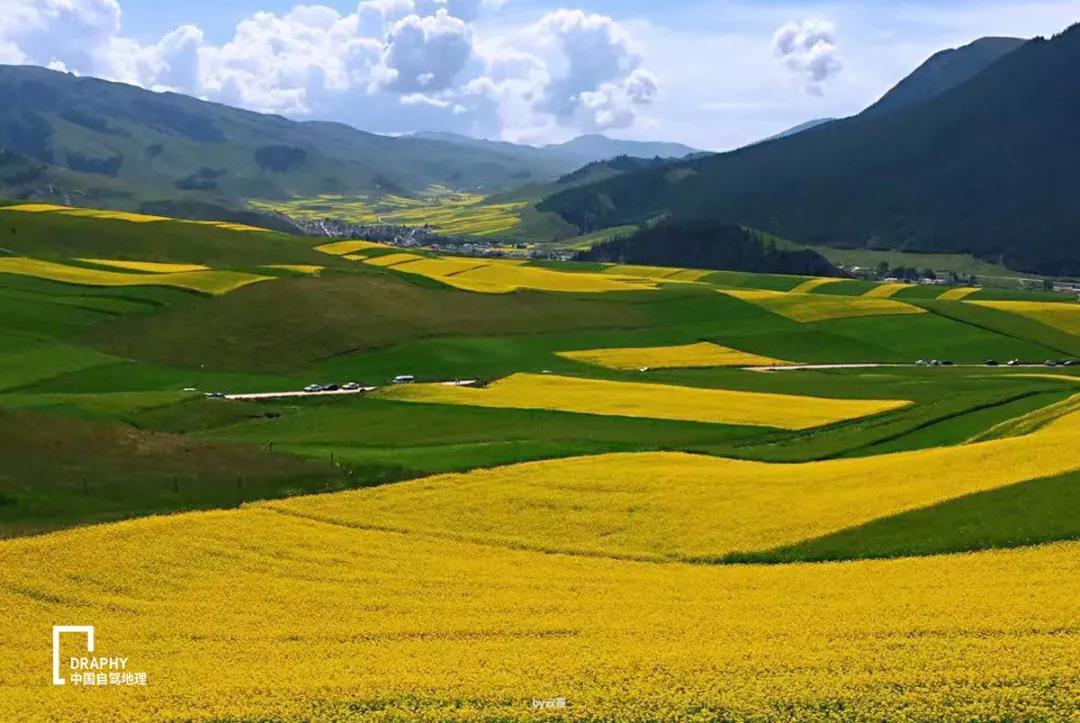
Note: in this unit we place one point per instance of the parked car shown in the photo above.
(313, 388)
(351, 387)
(404, 379)
(331, 388)
(992, 363)
(215, 395)
(934, 363)
(1014, 363)
(947, 363)
(1050, 363)
(921, 363)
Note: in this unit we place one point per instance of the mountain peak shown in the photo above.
(944, 71)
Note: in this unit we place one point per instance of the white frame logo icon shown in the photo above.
(56, 631)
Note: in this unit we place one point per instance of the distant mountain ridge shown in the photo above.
(576, 152)
(985, 163)
(100, 142)
(592, 148)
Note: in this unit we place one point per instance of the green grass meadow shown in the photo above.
(103, 414)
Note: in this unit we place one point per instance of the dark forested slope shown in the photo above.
(990, 167)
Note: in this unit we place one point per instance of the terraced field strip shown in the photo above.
(504, 276)
(648, 272)
(807, 287)
(467, 217)
(1032, 421)
(885, 291)
(703, 354)
(211, 282)
(390, 260)
(655, 401)
(344, 248)
(662, 505)
(209, 604)
(810, 308)
(307, 269)
(121, 216)
(1065, 317)
(150, 267)
(351, 209)
(958, 294)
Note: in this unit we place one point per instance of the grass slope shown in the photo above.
(1028, 513)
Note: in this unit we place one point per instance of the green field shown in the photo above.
(90, 373)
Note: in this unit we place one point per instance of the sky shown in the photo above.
(712, 74)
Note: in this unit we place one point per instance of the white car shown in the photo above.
(351, 387)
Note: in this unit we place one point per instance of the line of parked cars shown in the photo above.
(996, 363)
(354, 386)
(317, 388)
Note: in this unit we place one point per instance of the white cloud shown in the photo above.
(392, 65)
(426, 53)
(75, 33)
(808, 49)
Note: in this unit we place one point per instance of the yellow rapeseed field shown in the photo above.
(1056, 314)
(252, 614)
(309, 269)
(655, 401)
(810, 308)
(151, 267)
(121, 216)
(690, 275)
(703, 354)
(958, 294)
(207, 282)
(343, 248)
(661, 505)
(511, 277)
(647, 272)
(503, 276)
(465, 216)
(392, 259)
(885, 291)
(807, 286)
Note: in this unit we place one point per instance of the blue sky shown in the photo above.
(714, 74)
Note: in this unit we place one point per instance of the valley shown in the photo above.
(309, 423)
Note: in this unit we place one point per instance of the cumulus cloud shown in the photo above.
(74, 33)
(425, 53)
(391, 65)
(808, 49)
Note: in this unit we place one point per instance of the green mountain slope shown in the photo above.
(707, 245)
(130, 145)
(945, 71)
(988, 167)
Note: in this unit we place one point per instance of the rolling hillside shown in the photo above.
(987, 167)
(117, 145)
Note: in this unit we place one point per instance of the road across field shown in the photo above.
(336, 393)
(777, 368)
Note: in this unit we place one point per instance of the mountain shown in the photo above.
(945, 71)
(708, 245)
(118, 144)
(573, 154)
(591, 148)
(800, 128)
(990, 167)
